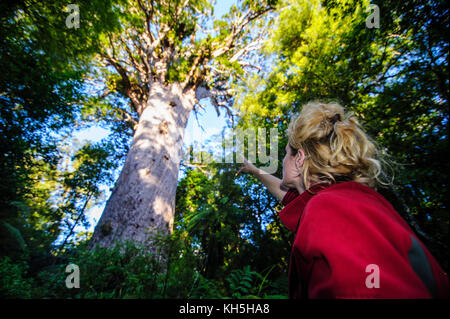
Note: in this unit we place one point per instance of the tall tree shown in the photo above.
(166, 59)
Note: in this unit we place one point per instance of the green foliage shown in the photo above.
(12, 242)
(222, 218)
(43, 63)
(125, 271)
(13, 284)
(130, 271)
(242, 282)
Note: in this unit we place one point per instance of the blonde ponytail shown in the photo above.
(336, 147)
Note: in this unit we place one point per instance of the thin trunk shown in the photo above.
(142, 203)
(81, 214)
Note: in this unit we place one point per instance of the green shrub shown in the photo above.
(124, 271)
(131, 271)
(13, 283)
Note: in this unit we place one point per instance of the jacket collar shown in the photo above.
(291, 214)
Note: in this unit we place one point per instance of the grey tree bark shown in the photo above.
(143, 200)
(143, 54)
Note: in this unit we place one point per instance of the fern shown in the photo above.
(242, 283)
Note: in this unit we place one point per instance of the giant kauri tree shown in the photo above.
(167, 56)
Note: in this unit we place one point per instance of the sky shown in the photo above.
(207, 125)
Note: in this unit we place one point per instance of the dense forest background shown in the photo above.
(227, 239)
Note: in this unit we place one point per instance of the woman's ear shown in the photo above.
(299, 158)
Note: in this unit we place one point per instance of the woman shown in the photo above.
(349, 241)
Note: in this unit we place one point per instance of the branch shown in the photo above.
(213, 94)
(129, 88)
(194, 67)
(246, 64)
(196, 166)
(148, 19)
(143, 76)
(218, 104)
(127, 116)
(237, 28)
(141, 51)
(252, 46)
(80, 215)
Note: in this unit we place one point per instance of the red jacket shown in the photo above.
(351, 243)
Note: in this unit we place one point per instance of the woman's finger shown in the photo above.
(239, 171)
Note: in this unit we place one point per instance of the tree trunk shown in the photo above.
(143, 200)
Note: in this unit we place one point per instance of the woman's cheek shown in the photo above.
(286, 175)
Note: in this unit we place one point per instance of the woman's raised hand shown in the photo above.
(247, 167)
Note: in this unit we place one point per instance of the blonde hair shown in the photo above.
(336, 147)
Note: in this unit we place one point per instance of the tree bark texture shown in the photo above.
(143, 200)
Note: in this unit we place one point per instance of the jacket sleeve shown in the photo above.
(347, 248)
